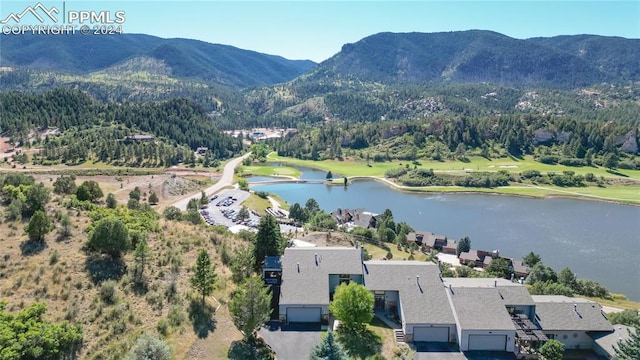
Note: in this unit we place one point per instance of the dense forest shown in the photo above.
(551, 139)
(176, 127)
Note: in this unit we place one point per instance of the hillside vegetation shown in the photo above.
(182, 58)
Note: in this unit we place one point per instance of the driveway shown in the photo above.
(442, 351)
(291, 342)
(436, 351)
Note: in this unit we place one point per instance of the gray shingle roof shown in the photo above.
(557, 312)
(606, 340)
(480, 308)
(310, 283)
(424, 300)
(510, 293)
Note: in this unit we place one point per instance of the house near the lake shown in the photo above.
(422, 306)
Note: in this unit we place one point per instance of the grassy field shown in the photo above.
(378, 253)
(627, 193)
(270, 171)
(356, 167)
(619, 301)
(257, 203)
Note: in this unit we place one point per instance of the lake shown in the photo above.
(598, 241)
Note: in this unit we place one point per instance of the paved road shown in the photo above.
(225, 180)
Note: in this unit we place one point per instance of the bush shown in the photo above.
(108, 292)
(548, 159)
(54, 257)
(192, 216)
(176, 316)
(148, 347)
(571, 162)
(396, 173)
(528, 174)
(262, 194)
(172, 213)
(163, 327)
(629, 165)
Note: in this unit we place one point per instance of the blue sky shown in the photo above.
(317, 29)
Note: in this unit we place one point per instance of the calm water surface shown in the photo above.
(598, 241)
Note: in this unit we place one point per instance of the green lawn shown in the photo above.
(256, 203)
(270, 171)
(619, 193)
(378, 253)
(362, 168)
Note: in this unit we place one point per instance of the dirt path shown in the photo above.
(225, 180)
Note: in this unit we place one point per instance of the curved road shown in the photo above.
(225, 180)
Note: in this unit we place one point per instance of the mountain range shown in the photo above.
(184, 58)
(473, 56)
(483, 56)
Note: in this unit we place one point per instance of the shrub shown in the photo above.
(54, 257)
(571, 162)
(148, 347)
(108, 292)
(176, 316)
(548, 159)
(172, 213)
(396, 172)
(163, 327)
(192, 216)
(262, 194)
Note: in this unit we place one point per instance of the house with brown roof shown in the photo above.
(520, 270)
(428, 240)
(356, 217)
(478, 257)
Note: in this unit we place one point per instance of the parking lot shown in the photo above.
(223, 209)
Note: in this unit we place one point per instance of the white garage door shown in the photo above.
(300, 314)
(432, 334)
(488, 342)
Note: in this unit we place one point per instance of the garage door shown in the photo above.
(431, 334)
(488, 342)
(306, 315)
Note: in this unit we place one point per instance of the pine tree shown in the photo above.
(329, 349)
(250, 307)
(629, 349)
(39, 226)
(204, 276)
(269, 241)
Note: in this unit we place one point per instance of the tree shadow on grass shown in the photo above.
(30, 247)
(615, 172)
(201, 318)
(102, 268)
(360, 343)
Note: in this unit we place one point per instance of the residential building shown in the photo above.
(476, 313)
(572, 321)
(412, 291)
(309, 279)
(356, 217)
(428, 240)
